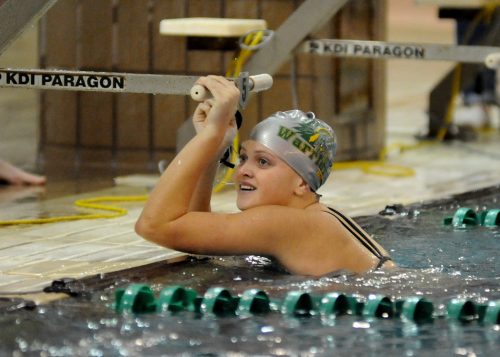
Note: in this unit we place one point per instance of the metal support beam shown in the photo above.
(393, 50)
(16, 15)
(96, 81)
(126, 82)
(310, 16)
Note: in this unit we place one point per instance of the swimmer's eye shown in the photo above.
(242, 158)
(263, 161)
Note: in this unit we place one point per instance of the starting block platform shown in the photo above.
(210, 27)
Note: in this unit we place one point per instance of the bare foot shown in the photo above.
(16, 176)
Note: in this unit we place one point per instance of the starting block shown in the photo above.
(210, 27)
(208, 33)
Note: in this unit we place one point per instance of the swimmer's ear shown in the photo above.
(302, 188)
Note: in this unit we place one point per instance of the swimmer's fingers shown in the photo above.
(222, 90)
(225, 100)
(214, 82)
(203, 108)
(220, 109)
(201, 111)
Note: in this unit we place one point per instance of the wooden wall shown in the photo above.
(134, 131)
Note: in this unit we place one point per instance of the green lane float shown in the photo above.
(378, 306)
(466, 217)
(491, 218)
(416, 309)
(219, 302)
(336, 304)
(136, 298)
(176, 298)
(252, 302)
(297, 303)
(491, 314)
(461, 310)
(463, 217)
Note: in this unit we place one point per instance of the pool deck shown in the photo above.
(32, 256)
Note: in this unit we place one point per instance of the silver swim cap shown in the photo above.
(304, 142)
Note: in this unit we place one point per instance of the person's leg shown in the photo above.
(15, 176)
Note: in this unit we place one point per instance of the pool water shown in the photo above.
(435, 261)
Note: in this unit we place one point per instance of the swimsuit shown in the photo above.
(361, 236)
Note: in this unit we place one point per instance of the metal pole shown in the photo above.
(393, 50)
(126, 82)
(96, 81)
(310, 16)
(16, 15)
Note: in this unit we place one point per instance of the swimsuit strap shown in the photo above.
(361, 236)
(356, 232)
(382, 261)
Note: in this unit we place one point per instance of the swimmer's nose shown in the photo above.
(243, 170)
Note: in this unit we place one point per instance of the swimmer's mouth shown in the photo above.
(247, 188)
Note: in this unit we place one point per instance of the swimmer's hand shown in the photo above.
(219, 110)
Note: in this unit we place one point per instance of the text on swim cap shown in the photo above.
(315, 154)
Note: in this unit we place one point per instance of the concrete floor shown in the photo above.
(32, 256)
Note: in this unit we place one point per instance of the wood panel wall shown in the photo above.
(134, 131)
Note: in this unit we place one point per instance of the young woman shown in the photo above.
(288, 157)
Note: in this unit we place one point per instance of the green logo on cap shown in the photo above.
(312, 142)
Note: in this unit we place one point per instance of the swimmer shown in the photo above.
(287, 158)
(15, 176)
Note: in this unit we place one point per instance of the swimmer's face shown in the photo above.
(262, 178)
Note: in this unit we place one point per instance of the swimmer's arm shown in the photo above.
(281, 232)
(200, 201)
(172, 196)
(250, 232)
